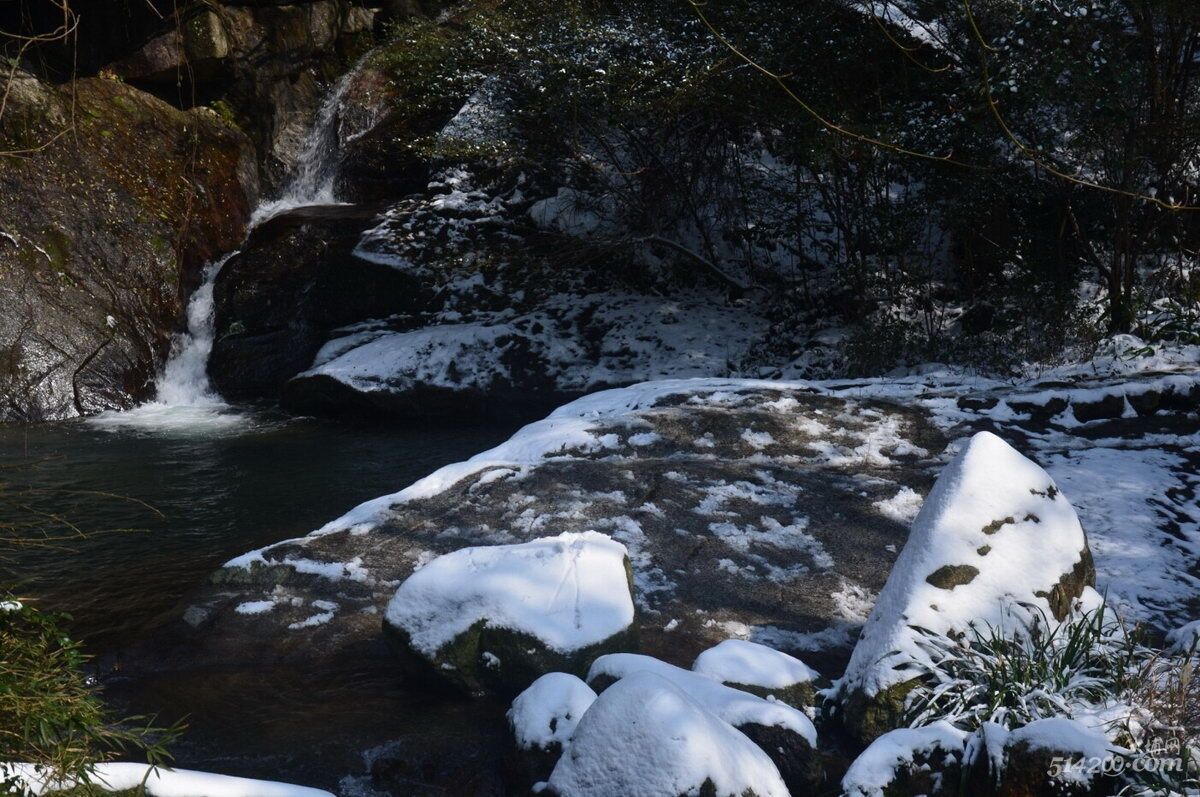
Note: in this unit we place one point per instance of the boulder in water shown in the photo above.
(994, 533)
(494, 619)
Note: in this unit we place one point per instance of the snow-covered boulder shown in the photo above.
(786, 734)
(542, 719)
(1055, 757)
(496, 618)
(1186, 638)
(760, 670)
(909, 761)
(995, 531)
(646, 737)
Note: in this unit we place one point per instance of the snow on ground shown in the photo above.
(645, 737)
(737, 661)
(162, 782)
(578, 342)
(994, 530)
(547, 712)
(569, 591)
(1143, 522)
(720, 521)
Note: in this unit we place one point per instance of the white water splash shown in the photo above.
(185, 400)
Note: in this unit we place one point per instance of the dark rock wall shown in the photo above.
(106, 220)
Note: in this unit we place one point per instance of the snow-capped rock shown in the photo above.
(908, 761)
(128, 778)
(542, 719)
(994, 531)
(646, 737)
(1055, 757)
(496, 618)
(758, 669)
(786, 734)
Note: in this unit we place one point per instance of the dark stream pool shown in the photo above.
(162, 506)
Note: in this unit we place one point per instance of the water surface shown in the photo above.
(166, 502)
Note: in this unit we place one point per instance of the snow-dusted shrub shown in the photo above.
(1029, 669)
(1091, 667)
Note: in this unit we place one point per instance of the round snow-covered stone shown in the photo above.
(907, 761)
(645, 737)
(542, 719)
(547, 712)
(787, 735)
(759, 669)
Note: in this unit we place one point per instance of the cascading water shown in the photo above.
(185, 397)
(184, 381)
(314, 174)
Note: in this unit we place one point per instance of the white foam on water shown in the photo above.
(186, 400)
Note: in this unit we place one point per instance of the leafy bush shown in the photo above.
(51, 712)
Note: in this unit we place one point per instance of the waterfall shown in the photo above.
(185, 397)
(184, 381)
(315, 170)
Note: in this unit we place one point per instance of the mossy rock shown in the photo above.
(798, 695)
(867, 717)
(1026, 773)
(800, 766)
(486, 660)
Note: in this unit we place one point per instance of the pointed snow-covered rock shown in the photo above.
(994, 531)
(496, 618)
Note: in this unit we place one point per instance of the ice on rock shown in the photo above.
(758, 668)
(646, 737)
(533, 607)
(547, 712)
(994, 531)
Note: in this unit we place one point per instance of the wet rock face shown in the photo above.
(104, 229)
(294, 281)
(266, 64)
